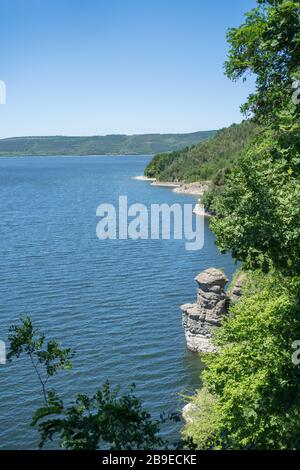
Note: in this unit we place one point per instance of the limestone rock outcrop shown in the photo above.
(236, 289)
(200, 318)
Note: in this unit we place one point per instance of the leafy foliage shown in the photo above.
(258, 211)
(202, 420)
(215, 190)
(108, 419)
(267, 45)
(204, 160)
(252, 384)
(46, 359)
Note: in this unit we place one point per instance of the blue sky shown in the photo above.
(75, 67)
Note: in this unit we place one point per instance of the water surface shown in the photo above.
(116, 302)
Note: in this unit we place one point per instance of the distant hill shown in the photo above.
(205, 160)
(100, 145)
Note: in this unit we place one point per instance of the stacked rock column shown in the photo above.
(199, 319)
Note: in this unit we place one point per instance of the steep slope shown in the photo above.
(204, 160)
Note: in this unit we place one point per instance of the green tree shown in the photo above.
(107, 419)
(46, 357)
(258, 211)
(206, 160)
(267, 45)
(251, 389)
(252, 385)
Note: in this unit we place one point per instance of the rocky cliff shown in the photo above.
(200, 318)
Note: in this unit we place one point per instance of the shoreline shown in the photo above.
(166, 184)
(191, 189)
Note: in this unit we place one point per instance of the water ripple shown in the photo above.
(116, 302)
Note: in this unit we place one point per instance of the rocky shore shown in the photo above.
(194, 189)
(166, 184)
(201, 318)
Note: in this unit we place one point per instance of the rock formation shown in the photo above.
(200, 318)
(236, 289)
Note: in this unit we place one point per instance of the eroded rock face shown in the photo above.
(236, 289)
(200, 318)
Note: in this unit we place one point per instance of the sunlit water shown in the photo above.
(115, 302)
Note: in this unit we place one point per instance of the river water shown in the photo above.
(116, 302)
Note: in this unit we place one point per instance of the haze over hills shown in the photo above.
(101, 145)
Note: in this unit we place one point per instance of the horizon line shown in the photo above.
(110, 135)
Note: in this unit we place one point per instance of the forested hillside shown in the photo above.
(251, 387)
(146, 144)
(204, 160)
